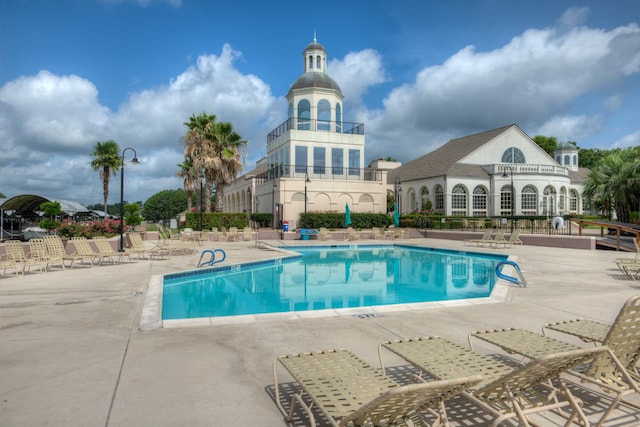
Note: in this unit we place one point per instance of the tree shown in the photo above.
(547, 143)
(165, 205)
(52, 209)
(108, 161)
(589, 157)
(132, 217)
(213, 147)
(615, 182)
(190, 178)
(228, 159)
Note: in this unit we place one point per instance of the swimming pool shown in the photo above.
(330, 277)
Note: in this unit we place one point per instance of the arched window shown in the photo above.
(310, 61)
(529, 201)
(459, 200)
(573, 201)
(304, 115)
(324, 115)
(562, 200)
(413, 202)
(549, 200)
(505, 200)
(479, 201)
(318, 62)
(338, 118)
(566, 159)
(558, 160)
(424, 198)
(439, 199)
(513, 155)
(575, 160)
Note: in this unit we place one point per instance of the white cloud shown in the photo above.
(46, 114)
(356, 73)
(49, 123)
(631, 140)
(573, 17)
(534, 79)
(569, 128)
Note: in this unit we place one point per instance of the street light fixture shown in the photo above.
(134, 161)
(398, 193)
(201, 191)
(306, 180)
(513, 195)
(273, 205)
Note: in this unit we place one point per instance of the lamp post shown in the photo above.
(201, 198)
(273, 205)
(134, 161)
(306, 180)
(398, 193)
(513, 195)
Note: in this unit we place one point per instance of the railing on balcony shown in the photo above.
(320, 173)
(315, 126)
(527, 168)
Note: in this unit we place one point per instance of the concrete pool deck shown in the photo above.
(72, 352)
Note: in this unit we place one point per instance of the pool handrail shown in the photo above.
(213, 259)
(521, 281)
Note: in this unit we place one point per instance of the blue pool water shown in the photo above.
(330, 278)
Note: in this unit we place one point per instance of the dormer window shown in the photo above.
(513, 155)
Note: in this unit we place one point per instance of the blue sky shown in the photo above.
(417, 73)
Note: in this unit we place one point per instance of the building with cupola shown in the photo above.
(315, 162)
(314, 159)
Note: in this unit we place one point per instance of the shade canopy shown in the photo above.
(28, 203)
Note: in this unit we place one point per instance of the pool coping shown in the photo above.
(151, 315)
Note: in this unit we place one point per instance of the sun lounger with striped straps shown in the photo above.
(613, 372)
(348, 391)
(486, 238)
(507, 392)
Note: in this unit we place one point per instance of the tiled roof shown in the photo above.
(443, 160)
(579, 176)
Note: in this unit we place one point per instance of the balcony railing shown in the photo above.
(320, 173)
(298, 123)
(527, 168)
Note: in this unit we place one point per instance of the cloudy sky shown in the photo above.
(417, 73)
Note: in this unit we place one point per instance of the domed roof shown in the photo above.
(315, 79)
(565, 146)
(315, 45)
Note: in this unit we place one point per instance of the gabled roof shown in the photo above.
(443, 160)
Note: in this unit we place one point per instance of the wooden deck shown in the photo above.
(613, 235)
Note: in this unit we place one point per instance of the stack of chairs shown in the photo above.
(19, 258)
(107, 252)
(136, 246)
(58, 254)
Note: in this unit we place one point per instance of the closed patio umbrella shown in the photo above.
(396, 215)
(347, 215)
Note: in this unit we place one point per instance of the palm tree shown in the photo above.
(615, 183)
(108, 161)
(190, 179)
(228, 159)
(213, 148)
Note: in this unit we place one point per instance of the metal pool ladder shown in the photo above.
(212, 260)
(520, 280)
